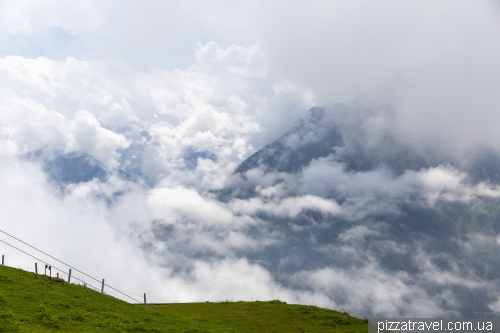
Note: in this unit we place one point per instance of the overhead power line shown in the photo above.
(43, 262)
(60, 262)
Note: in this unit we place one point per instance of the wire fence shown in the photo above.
(61, 275)
(80, 280)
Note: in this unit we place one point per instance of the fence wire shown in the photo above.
(72, 276)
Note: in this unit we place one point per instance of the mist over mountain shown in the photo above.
(405, 214)
(343, 154)
(360, 136)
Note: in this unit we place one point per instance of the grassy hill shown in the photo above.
(35, 303)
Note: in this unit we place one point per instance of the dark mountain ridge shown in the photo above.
(350, 135)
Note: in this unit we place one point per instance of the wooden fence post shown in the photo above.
(2, 259)
(144, 300)
(69, 276)
(36, 268)
(58, 275)
(102, 289)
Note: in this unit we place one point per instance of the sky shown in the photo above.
(162, 79)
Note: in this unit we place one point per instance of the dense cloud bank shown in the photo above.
(98, 161)
(438, 60)
(153, 180)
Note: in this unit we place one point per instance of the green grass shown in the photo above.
(35, 303)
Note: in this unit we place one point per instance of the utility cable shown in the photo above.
(44, 262)
(62, 263)
(73, 277)
(125, 291)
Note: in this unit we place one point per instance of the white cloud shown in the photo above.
(29, 127)
(87, 135)
(371, 290)
(227, 280)
(435, 61)
(449, 184)
(220, 105)
(288, 207)
(180, 204)
(380, 190)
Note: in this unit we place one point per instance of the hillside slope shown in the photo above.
(35, 303)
